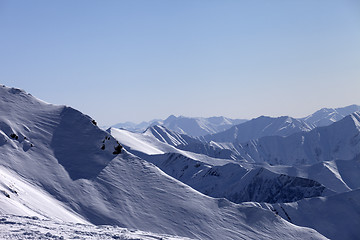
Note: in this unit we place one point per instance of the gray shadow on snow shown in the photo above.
(76, 144)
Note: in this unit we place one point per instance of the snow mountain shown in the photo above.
(288, 187)
(193, 127)
(260, 127)
(333, 216)
(187, 143)
(341, 140)
(327, 116)
(58, 165)
(218, 177)
(136, 127)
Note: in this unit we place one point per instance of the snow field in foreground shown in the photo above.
(21, 227)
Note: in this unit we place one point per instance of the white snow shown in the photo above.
(336, 217)
(328, 116)
(25, 227)
(56, 154)
(186, 125)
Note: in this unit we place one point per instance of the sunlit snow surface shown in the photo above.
(21, 227)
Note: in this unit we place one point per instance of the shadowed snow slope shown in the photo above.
(238, 183)
(60, 152)
(337, 175)
(337, 217)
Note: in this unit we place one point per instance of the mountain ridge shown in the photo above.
(192, 126)
(201, 127)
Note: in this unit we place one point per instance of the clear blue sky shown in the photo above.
(135, 60)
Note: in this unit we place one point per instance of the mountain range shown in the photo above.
(254, 128)
(284, 178)
(194, 127)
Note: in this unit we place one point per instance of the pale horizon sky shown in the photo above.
(137, 60)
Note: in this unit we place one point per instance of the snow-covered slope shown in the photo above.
(238, 182)
(336, 217)
(25, 227)
(61, 152)
(260, 127)
(186, 125)
(337, 175)
(17, 196)
(327, 116)
(145, 145)
(341, 140)
(262, 185)
(217, 177)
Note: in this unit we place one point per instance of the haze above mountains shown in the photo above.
(196, 178)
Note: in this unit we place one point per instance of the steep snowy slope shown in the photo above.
(19, 197)
(341, 140)
(62, 152)
(336, 217)
(186, 125)
(327, 116)
(260, 127)
(145, 145)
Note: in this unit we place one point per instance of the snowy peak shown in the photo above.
(356, 118)
(327, 116)
(260, 127)
(341, 140)
(186, 125)
(134, 127)
(166, 136)
(196, 127)
(31, 125)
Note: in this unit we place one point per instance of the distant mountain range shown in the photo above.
(260, 127)
(281, 160)
(194, 127)
(327, 116)
(226, 129)
(340, 140)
